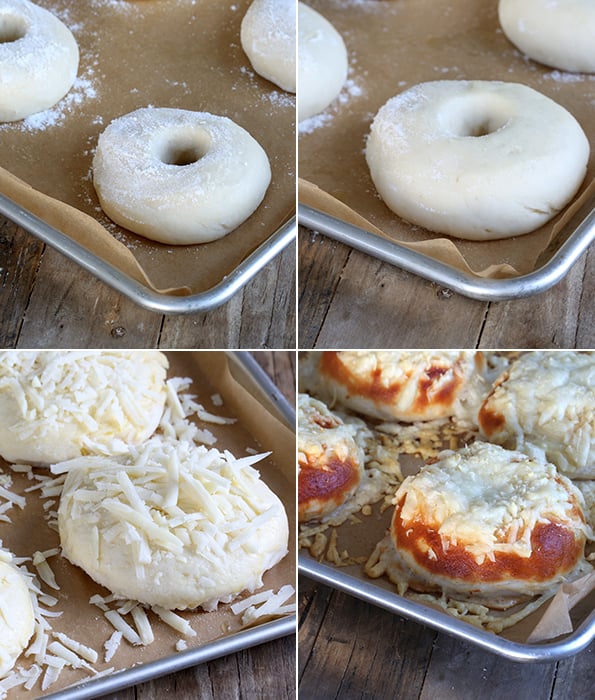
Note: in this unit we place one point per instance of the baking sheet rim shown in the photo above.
(469, 285)
(141, 293)
(515, 651)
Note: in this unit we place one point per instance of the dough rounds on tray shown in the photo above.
(17, 622)
(485, 524)
(171, 524)
(58, 405)
(544, 404)
(396, 385)
(268, 36)
(38, 59)
(322, 62)
(558, 34)
(330, 462)
(479, 160)
(177, 176)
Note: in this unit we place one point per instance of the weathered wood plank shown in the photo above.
(576, 676)
(365, 652)
(377, 305)
(69, 308)
(20, 254)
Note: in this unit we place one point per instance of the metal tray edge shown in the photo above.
(442, 622)
(138, 292)
(467, 284)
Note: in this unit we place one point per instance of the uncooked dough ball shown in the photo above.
(558, 34)
(38, 59)
(17, 621)
(322, 62)
(479, 160)
(58, 405)
(171, 524)
(177, 176)
(268, 36)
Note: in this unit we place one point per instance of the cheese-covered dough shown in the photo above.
(401, 385)
(55, 405)
(17, 621)
(558, 33)
(478, 160)
(171, 524)
(322, 62)
(177, 176)
(487, 524)
(545, 404)
(268, 36)
(38, 59)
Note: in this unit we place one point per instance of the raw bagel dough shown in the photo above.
(171, 524)
(268, 36)
(58, 405)
(38, 59)
(17, 622)
(478, 160)
(558, 34)
(178, 176)
(322, 62)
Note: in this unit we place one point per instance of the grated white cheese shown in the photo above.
(175, 621)
(112, 645)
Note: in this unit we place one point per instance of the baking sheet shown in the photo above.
(357, 538)
(166, 53)
(392, 46)
(260, 426)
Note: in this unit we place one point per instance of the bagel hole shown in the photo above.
(481, 127)
(12, 29)
(182, 153)
(475, 115)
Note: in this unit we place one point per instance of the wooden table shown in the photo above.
(347, 299)
(262, 672)
(47, 301)
(352, 650)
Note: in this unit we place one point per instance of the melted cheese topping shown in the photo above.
(56, 405)
(398, 385)
(545, 405)
(171, 524)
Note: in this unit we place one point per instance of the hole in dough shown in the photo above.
(12, 29)
(177, 153)
(473, 116)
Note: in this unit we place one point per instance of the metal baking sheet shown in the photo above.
(370, 592)
(578, 234)
(252, 377)
(141, 293)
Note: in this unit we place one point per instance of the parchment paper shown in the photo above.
(84, 622)
(393, 45)
(162, 53)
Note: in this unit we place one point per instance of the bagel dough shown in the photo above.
(559, 34)
(268, 36)
(322, 62)
(38, 59)
(478, 160)
(171, 524)
(58, 405)
(177, 176)
(17, 621)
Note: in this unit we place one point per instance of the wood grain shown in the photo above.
(350, 300)
(47, 301)
(349, 650)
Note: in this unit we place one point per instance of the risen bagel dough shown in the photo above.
(476, 159)
(38, 59)
(58, 405)
(268, 37)
(177, 176)
(17, 621)
(557, 33)
(322, 62)
(171, 524)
